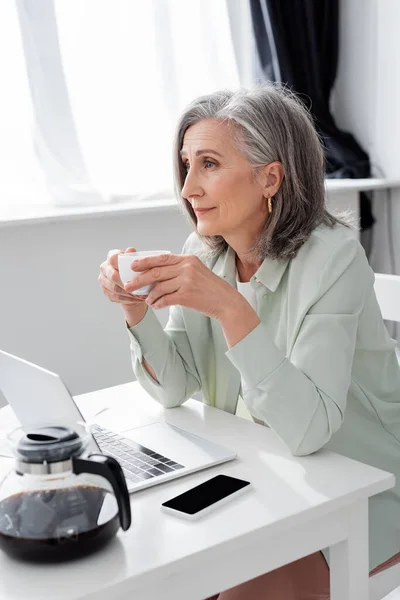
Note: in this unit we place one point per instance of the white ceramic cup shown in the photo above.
(126, 273)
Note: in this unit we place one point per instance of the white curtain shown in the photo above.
(21, 178)
(94, 89)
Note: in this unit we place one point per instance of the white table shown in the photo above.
(298, 506)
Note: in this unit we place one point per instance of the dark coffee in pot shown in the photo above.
(59, 524)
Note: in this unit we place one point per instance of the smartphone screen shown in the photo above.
(205, 494)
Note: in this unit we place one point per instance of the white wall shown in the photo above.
(366, 103)
(53, 312)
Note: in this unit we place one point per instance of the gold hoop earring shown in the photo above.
(270, 205)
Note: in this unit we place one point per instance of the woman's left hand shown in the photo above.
(183, 280)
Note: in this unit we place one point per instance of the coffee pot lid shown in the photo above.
(49, 444)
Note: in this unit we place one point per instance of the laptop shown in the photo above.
(148, 454)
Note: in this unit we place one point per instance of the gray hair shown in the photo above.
(268, 124)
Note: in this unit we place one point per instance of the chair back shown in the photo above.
(387, 290)
(385, 585)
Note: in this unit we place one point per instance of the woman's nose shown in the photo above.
(191, 186)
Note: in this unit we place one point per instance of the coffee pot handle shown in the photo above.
(110, 469)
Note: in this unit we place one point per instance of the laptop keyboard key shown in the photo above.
(107, 449)
(164, 468)
(133, 469)
(155, 472)
(146, 451)
(146, 459)
(134, 454)
(145, 475)
(151, 461)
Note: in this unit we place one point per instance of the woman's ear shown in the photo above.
(273, 175)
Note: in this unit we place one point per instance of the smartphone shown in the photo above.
(203, 498)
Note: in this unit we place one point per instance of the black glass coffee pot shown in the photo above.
(60, 502)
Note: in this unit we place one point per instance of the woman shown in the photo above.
(272, 298)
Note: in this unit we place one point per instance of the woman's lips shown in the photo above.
(202, 211)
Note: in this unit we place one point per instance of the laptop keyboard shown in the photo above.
(138, 462)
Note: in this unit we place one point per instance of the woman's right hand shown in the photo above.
(110, 282)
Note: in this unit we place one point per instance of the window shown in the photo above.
(92, 91)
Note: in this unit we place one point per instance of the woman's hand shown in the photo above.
(110, 282)
(183, 280)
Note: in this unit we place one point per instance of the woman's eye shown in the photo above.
(207, 163)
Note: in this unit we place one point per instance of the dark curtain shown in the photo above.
(298, 45)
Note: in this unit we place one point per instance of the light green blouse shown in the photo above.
(320, 369)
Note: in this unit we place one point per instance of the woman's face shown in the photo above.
(220, 185)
